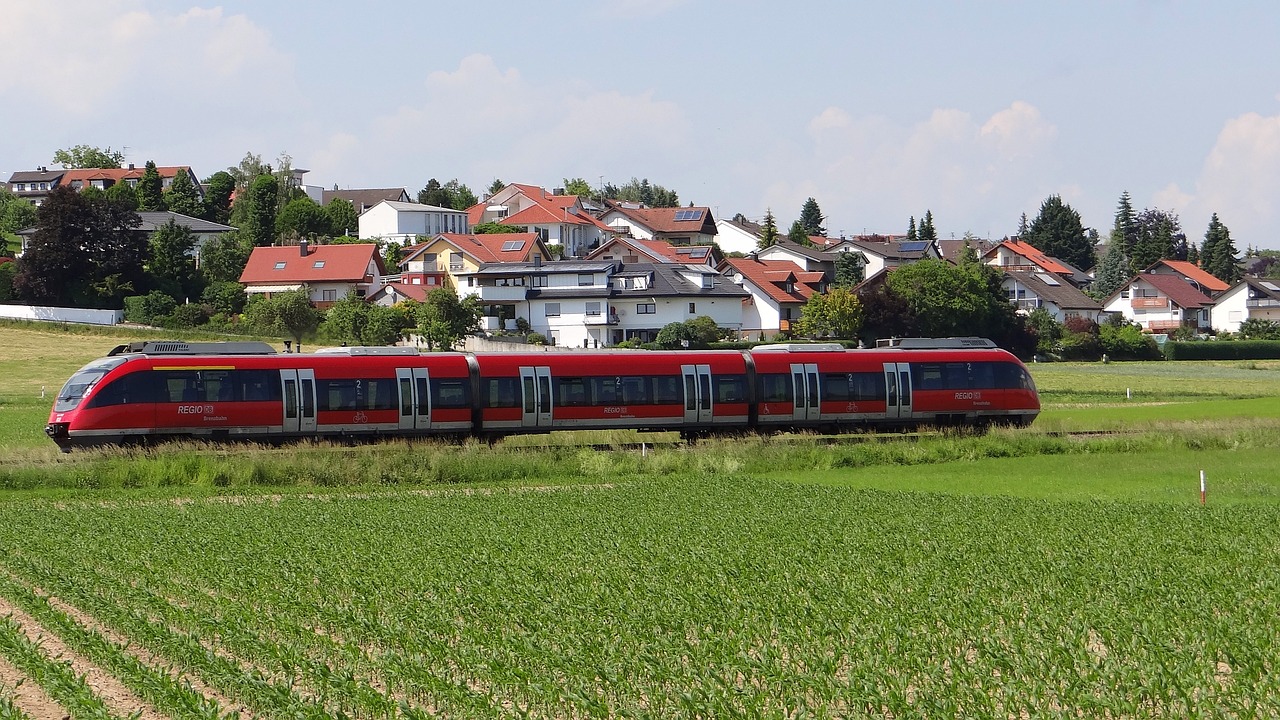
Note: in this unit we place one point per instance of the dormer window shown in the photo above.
(708, 282)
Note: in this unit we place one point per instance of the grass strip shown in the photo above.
(9, 711)
(154, 685)
(56, 677)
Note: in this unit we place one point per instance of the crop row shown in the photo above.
(716, 596)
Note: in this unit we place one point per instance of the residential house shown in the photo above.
(738, 235)
(777, 289)
(679, 226)
(809, 259)
(442, 260)
(561, 221)
(398, 292)
(1029, 290)
(35, 185)
(631, 250)
(1202, 280)
(602, 303)
(1013, 254)
(883, 252)
(203, 230)
(327, 272)
(951, 250)
(404, 222)
(364, 199)
(1253, 298)
(1160, 303)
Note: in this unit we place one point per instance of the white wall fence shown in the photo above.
(62, 314)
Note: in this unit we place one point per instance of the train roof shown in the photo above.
(179, 347)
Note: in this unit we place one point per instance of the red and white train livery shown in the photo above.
(246, 391)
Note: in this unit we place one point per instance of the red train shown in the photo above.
(246, 391)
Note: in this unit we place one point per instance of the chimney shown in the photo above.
(130, 166)
(302, 247)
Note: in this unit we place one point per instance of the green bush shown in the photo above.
(149, 308)
(534, 338)
(1223, 350)
(1127, 342)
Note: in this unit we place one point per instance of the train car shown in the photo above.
(245, 391)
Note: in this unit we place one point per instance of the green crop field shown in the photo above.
(1016, 574)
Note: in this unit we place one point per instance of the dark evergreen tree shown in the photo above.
(183, 196)
(1218, 255)
(217, 199)
(851, 269)
(150, 190)
(799, 235)
(927, 233)
(912, 235)
(768, 232)
(1193, 253)
(1125, 228)
(172, 265)
(260, 211)
(1023, 226)
(1058, 232)
(433, 193)
(1113, 271)
(496, 186)
(811, 218)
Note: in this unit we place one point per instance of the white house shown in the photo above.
(1031, 290)
(884, 251)
(559, 220)
(740, 236)
(1160, 303)
(1250, 299)
(403, 222)
(600, 304)
(777, 290)
(679, 226)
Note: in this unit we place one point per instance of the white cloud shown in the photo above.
(1239, 181)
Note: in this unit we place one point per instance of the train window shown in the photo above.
(704, 386)
(79, 384)
(730, 388)
(308, 398)
(982, 375)
(406, 396)
(690, 393)
(530, 400)
(571, 392)
(774, 388)
(357, 394)
(424, 396)
(132, 388)
(666, 390)
(605, 390)
(866, 386)
(291, 399)
(835, 386)
(927, 376)
(635, 390)
(449, 393)
(1013, 376)
(502, 392)
(259, 385)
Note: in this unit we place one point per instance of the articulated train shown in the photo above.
(158, 390)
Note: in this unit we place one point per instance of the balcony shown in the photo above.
(610, 319)
(499, 293)
(1159, 303)
(1262, 302)
(1027, 304)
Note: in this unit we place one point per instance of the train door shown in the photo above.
(804, 381)
(415, 398)
(897, 381)
(697, 394)
(299, 388)
(535, 386)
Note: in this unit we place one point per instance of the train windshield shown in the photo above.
(82, 382)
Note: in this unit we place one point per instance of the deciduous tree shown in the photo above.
(85, 156)
(343, 219)
(303, 218)
(837, 313)
(223, 258)
(443, 319)
(172, 266)
(217, 199)
(260, 211)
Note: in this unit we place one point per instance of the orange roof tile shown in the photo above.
(337, 263)
(1190, 270)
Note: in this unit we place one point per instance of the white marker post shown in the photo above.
(1201, 487)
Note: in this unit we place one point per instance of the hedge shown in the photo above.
(1223, 350)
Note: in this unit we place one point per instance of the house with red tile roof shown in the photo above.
(631, 250)
(442, 259)
(1032, 290)
(558, 219)
(778, 290)
(36, 186)
(679, 226)
(327, 273)
(1014, 255)
(1161, 302)
(1208, 283)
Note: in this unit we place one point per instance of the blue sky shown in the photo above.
(976, 111)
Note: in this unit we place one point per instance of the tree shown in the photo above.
(182, 196)
(249, 169)
(260, 211)
(1023, 227)
(15, 214)
(641, 191)
(298, 318)
(433, 193)
(811, 218)
(172, 267)
(885, 314)
(927, 233)
(837, 313)
(460, 196)
(497, 228)
(578, 186)
(343, 219)
(84, 156)
(217, 198)
(799, 235)
(912, 234)
(302, 218)
(851, 269)
(223, 258)
(150, 190)
(1125, 229)
(768, 232)
(224, 296)
(1058, 232)
(948, 300)
(1218, 254)
(1159, 237)
(1113, 271)
(496, 186)
(123, 195)
(443, 319)
(85, 252)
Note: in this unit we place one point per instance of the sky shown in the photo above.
(974, 111)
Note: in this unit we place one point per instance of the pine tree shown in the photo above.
(811, 218)
(911, 230)
(1022, 226)
(1058, 232)
(260, 216)
(1218, 256)
(927, 233)
(1126, 224)
(150, 190)
(182, 196)
(769, 232)
(1113, 271)
(1193, 254)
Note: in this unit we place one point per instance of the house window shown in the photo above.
(328, 295)
(646, 308)
(586, 279)
(708, 282)
(471, 281)
(19, 186)
(431, 280)
(539, 280)
(280, 265)
(785, 313)
(691, 308)
(552, 309)
(455, 261)
(593, 309)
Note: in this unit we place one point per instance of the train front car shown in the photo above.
(74, 420)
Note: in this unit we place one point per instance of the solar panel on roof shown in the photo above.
(510, 245)
(698, 253)
(682, 215)
(913, 246)
(1270, 286)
